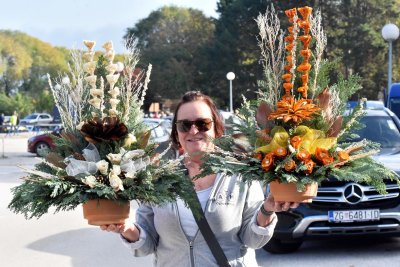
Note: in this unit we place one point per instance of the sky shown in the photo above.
(68, 22)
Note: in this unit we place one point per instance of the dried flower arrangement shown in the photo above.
(104, 150)
(295, 132)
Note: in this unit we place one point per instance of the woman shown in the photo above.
(236, 213)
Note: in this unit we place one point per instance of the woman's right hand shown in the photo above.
(130, 233)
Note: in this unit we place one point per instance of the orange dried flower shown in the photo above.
(306, 53)
(305, 12)
(304, 78)
(268, 162)
(290, 29)
(303, 155)
(287, 86)
(291, 12)
(287, 77)
(302, 89)
(290, 165)
(305, 25)
(289, 59)
(289, 38)
(310, 166)
(280, 152)
(343, 155)
(289, 47)
(293, 110)
(305, 39)
(323, 156)
(304, 67)
(321, 153)
(295, 141)
(288, 67)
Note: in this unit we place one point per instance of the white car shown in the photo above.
(36, 118)
(160, 129)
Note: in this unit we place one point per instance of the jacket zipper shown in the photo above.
(191, 253)
(187, 238)
(210, 199)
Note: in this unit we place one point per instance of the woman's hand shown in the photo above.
(271, 206)
(130, 233)
(277, 206)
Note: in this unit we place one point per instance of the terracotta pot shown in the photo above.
(104, 211)
(288, 192)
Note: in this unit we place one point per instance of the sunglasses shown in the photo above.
(202, 125)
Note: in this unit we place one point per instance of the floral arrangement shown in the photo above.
(104, 150)
(296, 131)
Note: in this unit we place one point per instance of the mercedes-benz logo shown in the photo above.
(353, 193)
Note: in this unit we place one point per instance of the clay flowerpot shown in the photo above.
(288, 192)
(104, 211)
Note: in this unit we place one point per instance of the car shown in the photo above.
(42, 143)
(360, 210)
(36, 118)
(161, 129)
(369, 104)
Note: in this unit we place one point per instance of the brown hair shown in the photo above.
(197, 96)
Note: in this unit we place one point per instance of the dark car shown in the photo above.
(343, 209)
(41, 144)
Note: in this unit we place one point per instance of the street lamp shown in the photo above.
(390, 32)
(230, 76)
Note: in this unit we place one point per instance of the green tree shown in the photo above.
(173, 40)
(24, 63)
(352, 26)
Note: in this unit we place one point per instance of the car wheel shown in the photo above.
(277, 246)
(42, 149)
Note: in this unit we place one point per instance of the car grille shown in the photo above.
(344, 195)
(376, 227)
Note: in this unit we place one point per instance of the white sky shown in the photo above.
(68, 22)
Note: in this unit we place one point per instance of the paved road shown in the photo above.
(64, 239)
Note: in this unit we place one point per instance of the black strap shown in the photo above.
(208, 235)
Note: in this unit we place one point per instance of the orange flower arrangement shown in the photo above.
(298, 134)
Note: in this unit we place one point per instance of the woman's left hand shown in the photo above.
(277, 206)
(270, 206)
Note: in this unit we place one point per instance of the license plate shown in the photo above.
(353, 215)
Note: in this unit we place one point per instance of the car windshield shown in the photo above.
(380, 129)
(30, 117)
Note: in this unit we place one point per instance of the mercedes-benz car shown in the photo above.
(347, 208)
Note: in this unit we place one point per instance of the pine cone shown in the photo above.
(102, 180)
(106, 129)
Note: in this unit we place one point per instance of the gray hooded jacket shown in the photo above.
(231, 213)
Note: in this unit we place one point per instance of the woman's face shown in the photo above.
(195, 140)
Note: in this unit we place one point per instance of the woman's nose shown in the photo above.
(193, 129)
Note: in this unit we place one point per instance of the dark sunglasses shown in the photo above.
(203, 125)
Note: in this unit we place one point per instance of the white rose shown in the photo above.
(116, 182)
(102, 166)
(116, 170)
(114, 158)
(90, 181)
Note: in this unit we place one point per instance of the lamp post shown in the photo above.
(390, 32)
(230, 76)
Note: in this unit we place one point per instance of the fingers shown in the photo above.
(284, 206)
(116, 228)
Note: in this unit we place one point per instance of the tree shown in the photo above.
(24, 62)
(353, 30)
(173, 40)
